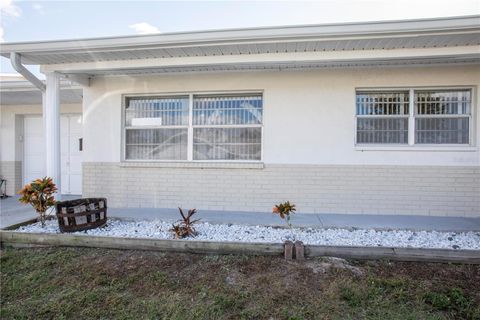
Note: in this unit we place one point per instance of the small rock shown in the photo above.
(455, 247)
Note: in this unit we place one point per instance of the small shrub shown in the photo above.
(284, 210)
(40, 194)
(184, 227)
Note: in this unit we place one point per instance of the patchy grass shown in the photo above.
(64, 283)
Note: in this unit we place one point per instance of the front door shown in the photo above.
(71, 161)
(71, 133)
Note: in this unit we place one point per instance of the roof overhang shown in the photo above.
(24, 93)
(417, 42)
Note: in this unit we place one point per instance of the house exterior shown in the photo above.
(22, 145)
(360, 118)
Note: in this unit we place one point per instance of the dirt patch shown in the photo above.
(324, 265)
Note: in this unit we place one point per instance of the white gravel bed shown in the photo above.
(157, 229)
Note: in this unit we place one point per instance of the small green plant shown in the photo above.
(184, 227)
(40, 194)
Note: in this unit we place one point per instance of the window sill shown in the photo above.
(418, 148)
(194, 165)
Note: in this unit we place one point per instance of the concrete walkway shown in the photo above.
(12, 212)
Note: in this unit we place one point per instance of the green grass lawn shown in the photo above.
(72, 283)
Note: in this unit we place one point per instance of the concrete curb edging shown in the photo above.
(214, 247)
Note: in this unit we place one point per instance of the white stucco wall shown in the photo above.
(308, 115)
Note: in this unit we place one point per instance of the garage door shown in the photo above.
(71, 162)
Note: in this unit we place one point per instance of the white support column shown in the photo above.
(44, 122)
(52, 130)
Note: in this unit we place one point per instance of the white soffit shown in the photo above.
(284, 66)
(426, 33)
(24, 93)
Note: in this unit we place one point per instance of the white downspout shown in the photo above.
(51, 118)
(16, 61)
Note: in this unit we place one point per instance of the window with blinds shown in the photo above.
(218, 127)
(227, 127)
(442, 117)
(433, 117)
(156, 128)
(382, 117)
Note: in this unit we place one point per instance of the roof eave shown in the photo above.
(253, 35)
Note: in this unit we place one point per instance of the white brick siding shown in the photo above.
(404, 190)
(12, 172)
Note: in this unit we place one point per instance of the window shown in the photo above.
(227, 128)
(442, 117)
(382, 117)
(156, 128)
(408, 117)
(194, 127)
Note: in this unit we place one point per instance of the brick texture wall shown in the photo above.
(12, 172)
(403, 190)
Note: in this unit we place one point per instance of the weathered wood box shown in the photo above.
(81, 214)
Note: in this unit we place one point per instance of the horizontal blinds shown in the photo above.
(172, 111)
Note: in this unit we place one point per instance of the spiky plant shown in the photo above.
(184, 227)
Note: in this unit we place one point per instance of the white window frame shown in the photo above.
(191, 126)
(471, 146)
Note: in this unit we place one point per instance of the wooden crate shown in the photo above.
(81, 214)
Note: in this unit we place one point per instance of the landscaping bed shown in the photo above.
(67, 283)
(157, 229)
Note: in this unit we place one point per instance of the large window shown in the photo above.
(409, 117)
(194, 127)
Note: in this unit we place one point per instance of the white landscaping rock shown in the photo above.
(157, 229)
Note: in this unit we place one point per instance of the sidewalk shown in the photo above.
(12, 212)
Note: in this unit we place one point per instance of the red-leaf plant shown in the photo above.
(284, 210)
(40, 194)
(184, 227)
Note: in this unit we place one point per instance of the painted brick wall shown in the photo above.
(405, 190)
(12, 172)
